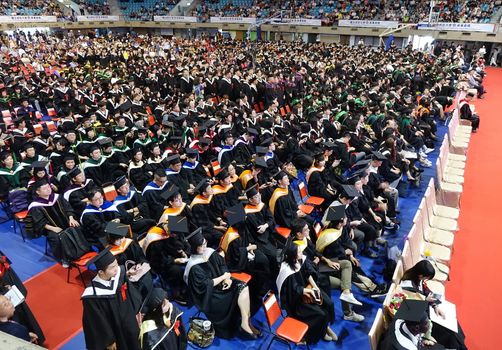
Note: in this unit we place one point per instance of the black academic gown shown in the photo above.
(163, 337)
(76, 195)
(397, 338)
(220, 306)
(317, 317)
(22, 313)
(110, 314)
(286, 210)
(94, 221)
(102, 171)
(139, 223)
(153, 197)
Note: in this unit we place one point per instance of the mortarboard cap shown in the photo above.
(267, 142)
(252, 191)
(168, 194)
(204, 141)
(39, 183)
(93, 147)
(39, 164)
(121, 181)
(105, 141)
(74, 172)
(223, 174)
(261, 150)
(378, 156)
(142, 131)
(154, 300)
(191, 152)
(349, 191)
(328, 144)
(260, 162)
(235, 214)
(252, 131)
(201, 186)
(27, 146)
(174, 159)
(336, 212)
(117, 229)
(177, 224)
(413, 310)
(102, 260)
(195, 239)
(279, 175)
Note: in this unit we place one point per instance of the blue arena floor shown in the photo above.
(28, 260)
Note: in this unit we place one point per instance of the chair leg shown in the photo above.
(68, 275)
(270, 344)
(81, 276)
(21, 229)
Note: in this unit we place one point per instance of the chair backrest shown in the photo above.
(419, 211)
(303, 190)
(415, 240)
(432, 192)
(398, 272)
(271, 308)
(376, 331)
(407, 257)
(439, 171)
(110, 193)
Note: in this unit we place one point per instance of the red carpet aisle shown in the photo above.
(475, 279)
(56, 304)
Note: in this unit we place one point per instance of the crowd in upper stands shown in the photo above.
(30, 8)
(145, 10)
(330, 11)
(94, 7)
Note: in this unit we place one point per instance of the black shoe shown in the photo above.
(181, 300)
(246, 336)
(380, 290)
(369, 254)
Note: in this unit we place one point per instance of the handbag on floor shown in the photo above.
(201, 332)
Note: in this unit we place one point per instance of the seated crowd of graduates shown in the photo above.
(208, 173)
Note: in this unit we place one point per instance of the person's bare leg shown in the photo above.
(243, 302)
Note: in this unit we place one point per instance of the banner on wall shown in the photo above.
(90, 18)
(461, 27)
(367, 23)
(297, 21)
(184, 19)
(20, 19)
(247, 20)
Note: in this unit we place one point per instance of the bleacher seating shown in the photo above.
(411, 11)
(30, 8)
(95, 7)
(136, 10)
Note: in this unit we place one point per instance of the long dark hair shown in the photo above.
(422, 268)
(291, 254)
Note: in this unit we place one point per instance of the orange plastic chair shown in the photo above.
(110, 193)
(283, 231)
(311, 200)
(79, 264)
(307, 209)
(241, 276)
(290, 330)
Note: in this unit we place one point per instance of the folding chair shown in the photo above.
(110, 193)
(241, 276)
(79, 264)
(440, 222)
(434, 235)
(290, 330)
(377, 330)
(283, 231)
(398, 272)
(420, 248)
(439, 210)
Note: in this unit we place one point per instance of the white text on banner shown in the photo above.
(462, 27)
(185, 19)
(367, 23)
(18, 19)
(248, 20)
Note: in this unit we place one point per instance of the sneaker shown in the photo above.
(369, 254)
(354, 317)
(381, 241)
(349, 298)
(389, 225)
(425, 163)
(428, 150)
(65, 264)
(379, 291)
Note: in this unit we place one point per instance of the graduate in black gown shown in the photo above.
(22, 313)
(51, 214)
(132, 207)
(411, 320)
(223, 300)
(96, 216)
(296, 284)
(139, 171)
(175, 175)
(129, 254)
(162, 327)
(76, 194)
(282, 203)
(98, 167)
(110, 303)
(152, 193)
(261, 225)
(204, 216)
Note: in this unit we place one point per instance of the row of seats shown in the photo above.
(134, 10)
(410, 11)
(435, 223)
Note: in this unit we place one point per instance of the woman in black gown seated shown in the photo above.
(302, 298)
(215, 293)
